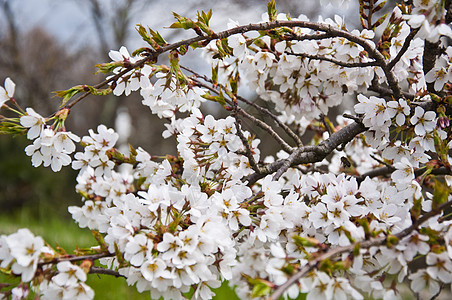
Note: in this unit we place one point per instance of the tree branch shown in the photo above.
(388, 170)
(363, 245)
(286, 128)
(100, 270)
(335, 61)
(310, 154)
(404, 48)
(73, 258)
(328, 29)
(383, 91)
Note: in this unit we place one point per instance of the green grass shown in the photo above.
(68, 235)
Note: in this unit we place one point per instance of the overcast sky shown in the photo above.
(70, 22)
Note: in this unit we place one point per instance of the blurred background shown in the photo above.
(49, 45)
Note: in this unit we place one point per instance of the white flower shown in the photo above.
(81, 291)
(26, 249)
(404, 172)
(34, 121)
(104, 139)
(238, 44)
(69, 274)
(375, 111)
(137, 249)
(425, 122)
(263, 61)
(421, 279)
(7, 92)
(64, 142)
(170, 246)
(121, 55)
(440, 266)
(399, 109)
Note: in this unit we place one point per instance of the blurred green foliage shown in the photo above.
(38, 190)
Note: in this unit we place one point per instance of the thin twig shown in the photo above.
(404, 48)
(73, 258)
(389, 169)
(286, 128)
(286, 147)
(100, 270)
(335, 61)
(248, 152)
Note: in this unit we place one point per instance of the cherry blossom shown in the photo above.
(7, 92)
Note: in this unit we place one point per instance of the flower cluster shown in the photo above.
(49, 148)
(21, 252)
(300, 86)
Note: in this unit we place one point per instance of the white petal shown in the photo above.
(10, 86)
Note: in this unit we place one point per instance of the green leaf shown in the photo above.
(215, 74)
(12, 128)
(143, 33)
(379, 6)
(108, 67)
(440, 194)
(260, 290)
(182, 22)
(271, 9)
(68, 94)
(205, 28)
(220, 98)
(205, 17)
(379, 21)
(157, 37)
(183, 49)
(233, 81)
(305, 242)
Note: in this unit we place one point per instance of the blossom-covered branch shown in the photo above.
(360, 245)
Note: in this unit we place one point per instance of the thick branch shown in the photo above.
(321, 36)
(431, 51)
(363, 245)
(383, 91)
(310, 154)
